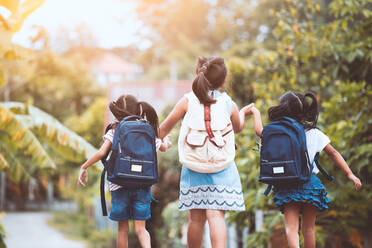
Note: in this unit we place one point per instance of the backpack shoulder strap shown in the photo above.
(102, 192)
(321, 169)
(207, 120)
(268, 189)
(132, 117)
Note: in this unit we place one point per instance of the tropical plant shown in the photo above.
(30, 137)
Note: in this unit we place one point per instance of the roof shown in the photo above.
(111, 63)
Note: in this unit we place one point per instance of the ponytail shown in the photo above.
(148, 112)
(201, 87)
(311, 111)
(211, 73)
(278, 111)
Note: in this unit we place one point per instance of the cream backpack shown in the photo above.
(200, 150)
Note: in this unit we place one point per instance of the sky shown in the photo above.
(113, 23)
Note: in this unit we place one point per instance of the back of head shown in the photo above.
(296, 106)
(210, 74)
(124, 106)
(127, 105)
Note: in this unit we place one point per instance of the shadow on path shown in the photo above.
(30, 229)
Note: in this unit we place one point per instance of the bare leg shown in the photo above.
(308, 225)
(142, 234)
(291, 219)
(195, 229)
(217, 227)
(122, 239)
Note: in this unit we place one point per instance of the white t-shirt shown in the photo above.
(316, 140)
(110, 137)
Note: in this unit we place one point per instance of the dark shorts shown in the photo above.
(130, 204)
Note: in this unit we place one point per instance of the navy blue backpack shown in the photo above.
(132, 161)
(284, 159)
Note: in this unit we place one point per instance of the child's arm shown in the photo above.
(257, 121)
(83, 173)
(177, 114)
(336, 157)
(242, 115)
(236, 120)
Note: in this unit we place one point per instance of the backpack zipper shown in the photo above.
(136, 160)
(130, 175)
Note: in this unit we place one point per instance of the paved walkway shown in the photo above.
(30, 230)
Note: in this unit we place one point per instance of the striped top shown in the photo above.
(110, 137)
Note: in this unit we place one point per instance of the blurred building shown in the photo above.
(111, 68)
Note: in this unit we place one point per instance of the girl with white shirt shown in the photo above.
(310, 197)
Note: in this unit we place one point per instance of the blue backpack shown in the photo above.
(284, 159)
(132, 161)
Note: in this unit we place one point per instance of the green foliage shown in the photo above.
(11, 54)
(351, 118)
(89, 125)
(323, 47)
(59, 85)
(184, 30)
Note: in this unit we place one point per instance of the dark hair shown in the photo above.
(295, 105)
(211, 74)
(127, 105)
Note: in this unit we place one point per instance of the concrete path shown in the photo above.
(30, 230)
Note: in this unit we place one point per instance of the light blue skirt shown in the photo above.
(221, 190)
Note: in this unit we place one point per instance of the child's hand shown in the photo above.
(356, 181)
(167, 142)
(83, 177)
(247, 110)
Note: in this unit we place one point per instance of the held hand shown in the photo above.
(167, 142)
(83, 177)
(356, 181)
(247, 110)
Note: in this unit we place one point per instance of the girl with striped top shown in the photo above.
(127, 204)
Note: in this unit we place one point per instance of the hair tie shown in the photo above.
(141, 109)
(125, 103)
(203, 69)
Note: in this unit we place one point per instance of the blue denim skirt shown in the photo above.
(312, 192)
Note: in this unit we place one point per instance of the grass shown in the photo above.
(67, 223)
(79, 227)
